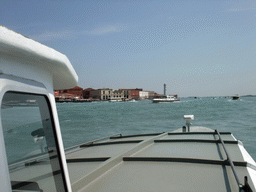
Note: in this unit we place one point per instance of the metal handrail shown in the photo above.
(230, 161)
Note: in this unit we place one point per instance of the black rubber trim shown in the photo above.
(194, 140)
(138, 135)
(33, 163)
(185, 160)
(110, 143)
(81, 160)
(199, 133)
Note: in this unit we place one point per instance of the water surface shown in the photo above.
(82, 122)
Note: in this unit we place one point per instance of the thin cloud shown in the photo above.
(53, 35)
(107, 30)
(71, 34)
(241, 9)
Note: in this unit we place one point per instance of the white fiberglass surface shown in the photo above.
(101, 151)
(165, 176)
(191, 150)
(30, 141)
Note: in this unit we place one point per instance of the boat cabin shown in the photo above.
(31, 148)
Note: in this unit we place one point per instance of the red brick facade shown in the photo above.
(135, 93)
(70, 93)
(86, 93)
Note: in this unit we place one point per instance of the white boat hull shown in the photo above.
(165, 99)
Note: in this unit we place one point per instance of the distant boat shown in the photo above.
(236, 97)
(165, 99)
(115, 100)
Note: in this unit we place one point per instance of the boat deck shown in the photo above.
(176, 161)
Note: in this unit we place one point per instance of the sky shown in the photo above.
(197, 47)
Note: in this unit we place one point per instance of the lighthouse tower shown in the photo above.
(165, 89)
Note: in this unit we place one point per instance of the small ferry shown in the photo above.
(33, 158)
(165, 99)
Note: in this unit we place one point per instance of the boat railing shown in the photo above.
(242, 188)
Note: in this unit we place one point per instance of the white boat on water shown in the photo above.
(115, 100)
(165, 99)
(33, 157)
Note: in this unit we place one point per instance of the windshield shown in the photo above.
(30, 143)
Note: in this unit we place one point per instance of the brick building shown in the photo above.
(87, 93)
(135, 93)
(103, 94)
(76, 92)
(95, 94)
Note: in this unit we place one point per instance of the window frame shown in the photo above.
(53, 124)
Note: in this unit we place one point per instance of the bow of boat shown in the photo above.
(175, 161)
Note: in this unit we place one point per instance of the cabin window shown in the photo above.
(31, 145)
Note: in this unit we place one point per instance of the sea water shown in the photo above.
(83, 122)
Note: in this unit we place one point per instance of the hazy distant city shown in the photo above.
(105, 94)
(78, 94)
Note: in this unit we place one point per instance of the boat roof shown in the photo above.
(170, 161)
(13, 44)
(174, 161)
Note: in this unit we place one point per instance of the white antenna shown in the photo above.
(188, 119)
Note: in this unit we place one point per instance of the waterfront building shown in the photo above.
(103, 94)
(151, 94)
(76, 92)
(95, 94)
(87, 93)
(144, 95)
(135, 93)
(126, 93)
(118, 95)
